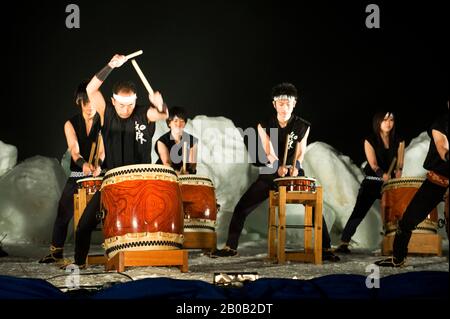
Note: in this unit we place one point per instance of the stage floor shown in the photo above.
(22, 262)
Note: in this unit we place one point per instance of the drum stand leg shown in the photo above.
(176, 257)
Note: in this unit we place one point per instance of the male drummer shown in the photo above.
(127, 131)
(428, 196)
(291, 129)
(81, 131)
(177, 146)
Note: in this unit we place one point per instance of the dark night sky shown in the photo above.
(221, 58)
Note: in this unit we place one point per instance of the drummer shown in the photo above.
(177, 146)
(81, 132)
(428, 196)
(285, 123)
(384, 151)
(127, 131)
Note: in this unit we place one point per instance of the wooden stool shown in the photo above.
(80, 201)
(276, 248)
(419, 244)
(176, 257)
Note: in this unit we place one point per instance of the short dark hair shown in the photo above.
(284, 88)
(81, 96)
(177, 111)
(376, 125)
(125, 86)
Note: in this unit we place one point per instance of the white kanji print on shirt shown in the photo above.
(139, 134)
(292, 138)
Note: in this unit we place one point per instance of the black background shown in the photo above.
(221, 58)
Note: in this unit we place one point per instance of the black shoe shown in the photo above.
(391, 262)
(329, 256)
(55, 256)
(225, 252)
(3, 253)
(342, 249)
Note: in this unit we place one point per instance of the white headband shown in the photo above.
(284, 97)
(125, 99)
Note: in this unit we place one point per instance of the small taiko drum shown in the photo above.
(200, 211)
(297, 183)
(397, 193)
(90, 184)
(143, 209)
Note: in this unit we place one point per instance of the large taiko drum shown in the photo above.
(199, 203)
(297, 183)
(397, 193)
(143, 209)
(90, 184)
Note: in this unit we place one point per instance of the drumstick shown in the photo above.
(401, 154)
(142, 76)
(286, 150)
(389, 172)
(99, 138)
(94, 144)
(295, 155)
(184, 157)
(134, 54)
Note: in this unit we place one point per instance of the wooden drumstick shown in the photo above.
(401, 155)
(391, 168)
(295, 154)
(134, 54)
(142, 76)
(99, 139)
(286, 150)
(91, 155)
(184, 157)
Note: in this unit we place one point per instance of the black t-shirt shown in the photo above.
(176, 150)
(127, 141)
(84, 140)
(296, 128)
(383, 155)
(433, 162)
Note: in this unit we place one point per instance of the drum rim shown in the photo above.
(194, 179)
(403, 182)
(294, 178)
(134, 166)
(90, 179)
(404, 179)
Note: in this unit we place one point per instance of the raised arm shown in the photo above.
(74, 148)
(300, 154)
(441, 142)
(93, 88)
(267, 145)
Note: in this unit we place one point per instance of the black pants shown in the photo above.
(65, 213)
(87, 224)
(252, 198)
(369, 191)
(427, 197)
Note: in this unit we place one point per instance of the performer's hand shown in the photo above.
(87, 169)
(282, 171)
(398, 173)
(385, 177)
(96, 171)
(117, 61)
(293, 171)
(157, 100)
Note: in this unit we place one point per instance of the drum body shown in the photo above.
(90, 184)
(199, 203)
(297, 183)
(397, 193)
(143, 209)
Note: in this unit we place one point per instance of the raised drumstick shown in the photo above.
(99, 138)
(134, 54)
(401, 155)
(295, 155)
(286, 150)
(391, 168)
(142, 76)
(91, 155)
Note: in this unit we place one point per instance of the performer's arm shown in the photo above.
(101, 158)
(74, 148)
(267, 145)
(372, 160)
(441, 142)
(164, 154)
(93, 88)
(192, 162)
(159, 111)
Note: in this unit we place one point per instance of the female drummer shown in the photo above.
(290, 129)
(383, 151)
(81, 132)
(177, 145)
